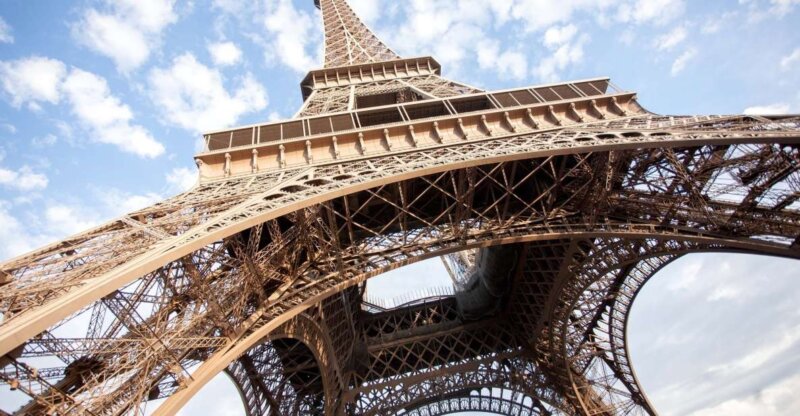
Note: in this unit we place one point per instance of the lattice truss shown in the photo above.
(347, 42)
(347, 39)
(339, 99)
(617, 215)
(262, 276)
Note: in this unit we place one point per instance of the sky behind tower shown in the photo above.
(103, 103)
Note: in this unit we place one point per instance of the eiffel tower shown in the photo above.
(552, 206)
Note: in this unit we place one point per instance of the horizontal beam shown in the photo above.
(368, 72)
(401, 136)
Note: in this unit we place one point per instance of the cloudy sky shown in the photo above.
(102, 104)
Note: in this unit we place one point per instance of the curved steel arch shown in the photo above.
(385, 403)
(264, 362)
(201, 376)
(484, 403)
(753, 223)
(29, 313)
(461, 369)
(602, 352)
(753, 245)
(633, 280)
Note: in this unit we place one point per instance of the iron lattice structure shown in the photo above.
(553, 205)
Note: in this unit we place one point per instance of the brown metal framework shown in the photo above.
(553, 205)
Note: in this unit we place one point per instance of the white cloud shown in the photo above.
(182, 179)
(36, 79)
(32, 80)
(224, 53)
(790, 60)
(58, 219)
(501, 9)
(450, 31)
(681, 61)
(557, 36)
(770, 109)
(24, 179)
(458, 31)
(5, 32)
(44, 141)
(111, 36)
(14, 236)
(512, 63)
(106, 116)
(687, 277)
(725, 293)
(762, 355)
(291, 35)
(761, 9)
(508, 64)
(724, 350)
(566, 48)
(783, 7)
(539, 14)
(229, 6)
(367, 10)
(225, 400)
(669, 40)
(775, 400)
(64, 220)
(117, 202)
(627, 37)
(395, 286)
(127, 31)
(650, 11)
(711, 27)
(193, 96)
(453, 31)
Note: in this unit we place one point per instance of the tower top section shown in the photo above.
(348, 41)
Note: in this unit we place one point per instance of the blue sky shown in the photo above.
(102, 104)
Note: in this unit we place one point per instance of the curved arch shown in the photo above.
(637, 283)
(282, 375)
(248, 375)
(219, 361)
(274, 202)
(495, 402)
(468, 225)
(509, 371)
(241, 388)
(608, 348)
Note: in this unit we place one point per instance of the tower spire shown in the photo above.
(348, 41)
